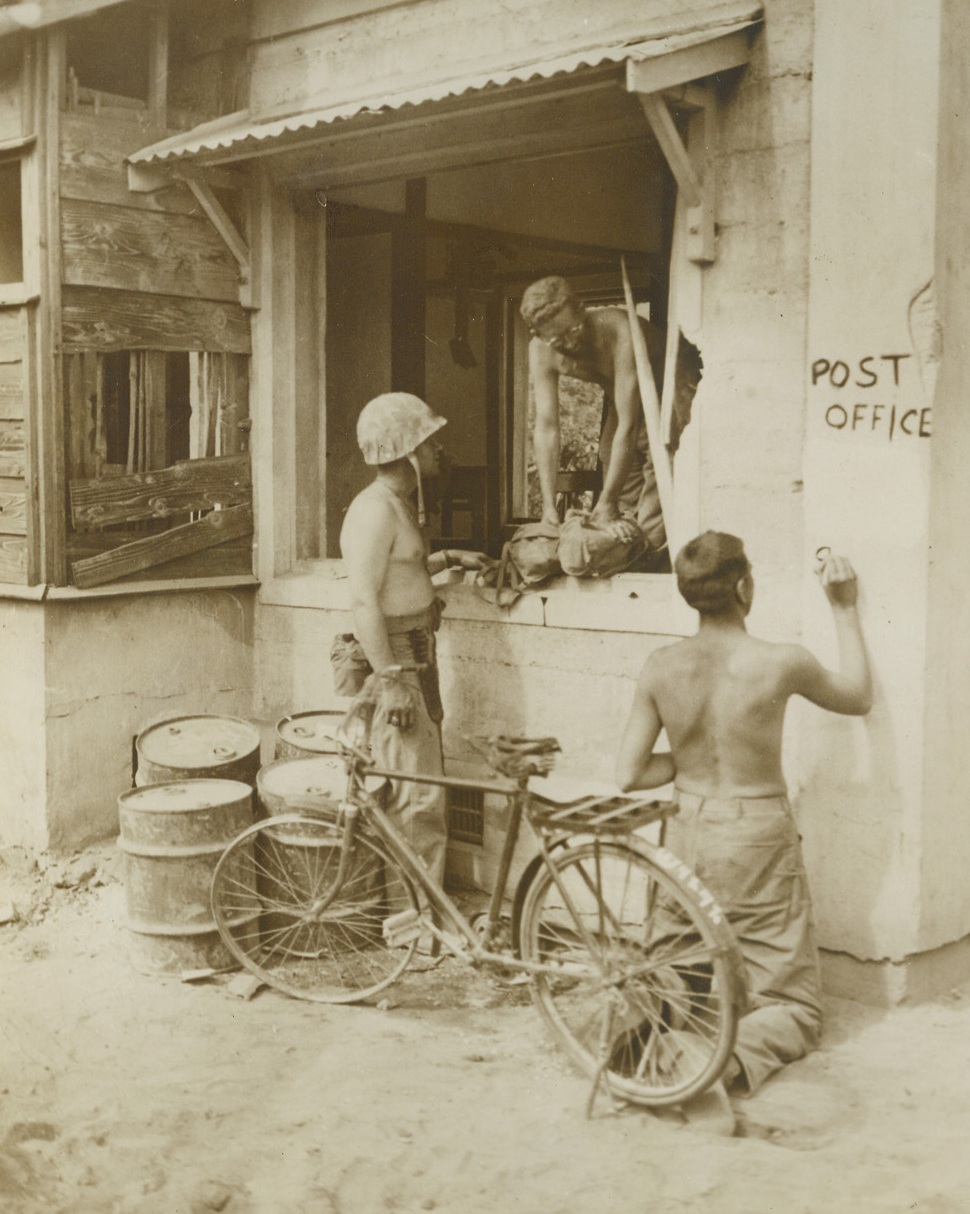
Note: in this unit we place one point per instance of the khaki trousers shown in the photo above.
(746, 851)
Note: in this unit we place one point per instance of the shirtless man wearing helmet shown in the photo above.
(385, 552)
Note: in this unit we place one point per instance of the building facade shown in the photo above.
(236, 228)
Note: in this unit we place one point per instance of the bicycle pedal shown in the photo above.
(401, 929)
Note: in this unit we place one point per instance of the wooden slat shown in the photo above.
(13, 455)
(11, 390)
(13, 559)
(93, 169)
(188, 485)
(51, 12)
(11, 335)
(93, 319)
(289, 16)
(145, 251)
(207, 532)
(13, 507)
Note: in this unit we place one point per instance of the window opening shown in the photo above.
(108, 53)
(158, 465)
(11, 224)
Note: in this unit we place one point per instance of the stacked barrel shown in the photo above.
(194, 779)
(198, 783)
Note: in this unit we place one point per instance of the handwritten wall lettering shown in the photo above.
(875, 378)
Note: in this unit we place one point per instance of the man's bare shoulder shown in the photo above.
(668, 659)
(369, 511)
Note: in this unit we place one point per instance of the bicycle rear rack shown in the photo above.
(619, 814)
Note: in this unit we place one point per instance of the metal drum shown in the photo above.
(282, 785)
(304, 734)
(172, 835)
(188, 748)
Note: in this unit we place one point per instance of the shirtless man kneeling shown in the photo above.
(721, 696)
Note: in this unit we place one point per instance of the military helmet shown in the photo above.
(394, 425)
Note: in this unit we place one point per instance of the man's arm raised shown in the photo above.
(637, 766)
(848, 690)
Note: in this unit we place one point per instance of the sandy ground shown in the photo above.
(121, 1092)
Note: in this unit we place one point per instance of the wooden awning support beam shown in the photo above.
(673, 78)
(692, 166)
(213, 208)
(148, 180)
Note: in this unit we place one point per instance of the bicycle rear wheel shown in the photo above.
(277, 909)
(641, 979)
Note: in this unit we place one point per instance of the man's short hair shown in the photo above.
(545, 299)
(708, 570)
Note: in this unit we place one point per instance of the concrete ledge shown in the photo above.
(887, 983)
(628, 602)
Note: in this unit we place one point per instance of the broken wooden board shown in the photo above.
(207, 532)
(197, 484)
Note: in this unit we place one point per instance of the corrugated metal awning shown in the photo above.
(244, 135)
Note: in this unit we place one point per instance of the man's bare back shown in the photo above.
(722, 700)
(721, 696)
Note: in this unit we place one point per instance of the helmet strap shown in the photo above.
(413, 461)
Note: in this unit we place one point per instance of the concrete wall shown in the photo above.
(812, 426)
(945, 860)
(540, 668)
(867, 454)
(83, 676)
(23, 749)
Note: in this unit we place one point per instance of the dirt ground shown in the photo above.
(123, 1093)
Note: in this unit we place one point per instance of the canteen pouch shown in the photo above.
(349, 664)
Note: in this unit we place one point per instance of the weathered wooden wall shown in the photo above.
(307, 51)
(138, 269)
(13, 455)
(142, 272)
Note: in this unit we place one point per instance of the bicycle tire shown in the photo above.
(642, 985)
(266, 892)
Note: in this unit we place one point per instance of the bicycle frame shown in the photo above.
(472, 945)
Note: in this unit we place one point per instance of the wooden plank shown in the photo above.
(158, 65)
(94, 319)
(230, 558)
(208, 532)
(690, 63)
(651, 411)
(145, 251)
(13, 560)
(51, 12)
(290, 16)
(13, 507)
(667, 135)
(11, 335)
(234, 418)
(11, 390)
(197, 484)
(13, 452)
(93, 169)
(47, 490)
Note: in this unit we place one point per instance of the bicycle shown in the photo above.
(632, 965)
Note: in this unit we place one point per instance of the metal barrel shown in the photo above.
(194, 747)
(304, 734)
(296, 859)
(172, 835)
(284, 783)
